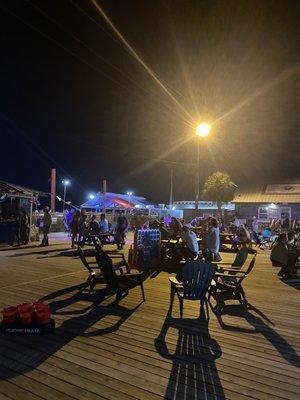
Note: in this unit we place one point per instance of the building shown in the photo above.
(205, 208)
(14, 197)
(274, 201)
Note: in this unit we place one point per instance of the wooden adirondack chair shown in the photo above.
(237, 264)
(197, 276)
(227, 285)
(94, 277)
(118, 277)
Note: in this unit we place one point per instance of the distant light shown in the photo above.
(137, 206)
(91, 196)
(65, 182)
(129, 193)
(272, 205)
(174, 208)
(203, 129)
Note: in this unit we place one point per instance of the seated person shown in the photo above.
(280, 256)
(291, 239)
(191, 250)
(244, 235)
(175, 227)
(266, 233)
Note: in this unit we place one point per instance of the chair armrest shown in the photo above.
(221, 263)
(217, 274)
(174, 281)
(130, 275)
(116, 255)
(231, 269)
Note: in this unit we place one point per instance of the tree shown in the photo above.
(219, 188)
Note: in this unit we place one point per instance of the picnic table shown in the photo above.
(104, 238)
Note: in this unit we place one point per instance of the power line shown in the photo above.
(60, 45)
(82, 43)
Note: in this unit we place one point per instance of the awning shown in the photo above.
(11, 190)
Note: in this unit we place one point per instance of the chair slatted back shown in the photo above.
(251, 265)
(97, 245)
(240, 258)
(84, 260)
(106, 266)
(197, 276)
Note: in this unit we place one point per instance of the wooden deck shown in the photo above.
(136, 350)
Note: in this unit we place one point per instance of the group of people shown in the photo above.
(174, 228)
(83, 228)
(285, 253)
(20, 228)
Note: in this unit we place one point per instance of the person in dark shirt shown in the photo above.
(94, 226)
(24, 227)
(75, 227)
(121, 227)
(46, 226)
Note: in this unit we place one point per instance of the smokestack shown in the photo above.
(53, 189)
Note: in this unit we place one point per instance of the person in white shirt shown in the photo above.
(254, 224)
(103, 224)
(190, 239)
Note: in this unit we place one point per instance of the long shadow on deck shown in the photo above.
(194, 375)
(261, 325)
(21, 354)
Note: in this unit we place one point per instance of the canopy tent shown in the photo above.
(116, 201)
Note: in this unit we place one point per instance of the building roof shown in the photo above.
(116, 200)
(279, 193)
(12, 190)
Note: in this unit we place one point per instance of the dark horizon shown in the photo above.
(73, 97)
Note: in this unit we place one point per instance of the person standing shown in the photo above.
(46, 227)
(24, 225)
(83, 227)
(75, 227)
(94, 228)
(121, 227)
(103, 224)
(16, 228)
(213, 240)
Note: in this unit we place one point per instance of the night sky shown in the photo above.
(73, 97)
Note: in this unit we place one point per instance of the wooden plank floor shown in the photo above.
(137, 350)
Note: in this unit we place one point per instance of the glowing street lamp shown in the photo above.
(91, 196)
(65, 182)
(129, 194)
(202, 130)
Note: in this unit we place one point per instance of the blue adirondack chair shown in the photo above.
(196, 279)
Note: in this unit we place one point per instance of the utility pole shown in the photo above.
(197, 178)
(53, 189)
(104, 197)
(171, 188)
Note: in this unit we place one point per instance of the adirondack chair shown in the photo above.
(119, 277)
(196, 278)
(228, 285)
(237, 264)
(94, 277)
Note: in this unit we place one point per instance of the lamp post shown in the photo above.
(65, 182)
(129, 194)
(202, 130)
